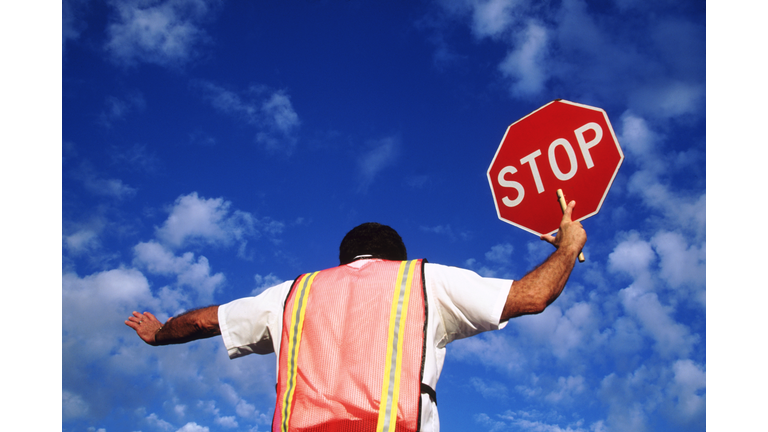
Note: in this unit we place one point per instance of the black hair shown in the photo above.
(372, 238)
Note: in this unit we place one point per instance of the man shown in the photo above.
(361, 346)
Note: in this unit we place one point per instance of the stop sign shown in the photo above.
(562, 145)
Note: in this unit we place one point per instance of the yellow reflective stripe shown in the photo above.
(294, 340)
(390, 389)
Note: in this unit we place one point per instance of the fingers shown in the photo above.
(549, 239)
(136, 319)
(568, 212)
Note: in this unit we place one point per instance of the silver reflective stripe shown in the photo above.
(399, 322)
(294, 340)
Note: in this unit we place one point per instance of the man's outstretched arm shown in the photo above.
(192, 325)
(539, 288)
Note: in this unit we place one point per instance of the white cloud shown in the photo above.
(196, 274)
(632, 256)
(227, 422)
(164, 33)
(82, 241)
(491, 349)
(672, 339)
(682, 265)
(193, 427)
(155, 421)
(675, 389)
(567, 388)
(195, 218)
(492, 18)
(500, 253)
(72, 406)
(211, 221)
(488, 422)
(629, 399)
(524, 65)
(482, 270)
(102, 297)
(686, 211)
(642, 144)
(639, 142)
(379, 154)
(528, 421)
(562, 333)
(93, 310)
(246, 410)
(625, 338)
(687, 393)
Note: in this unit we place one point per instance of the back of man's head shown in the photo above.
(374, 239)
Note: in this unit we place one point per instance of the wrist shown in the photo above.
(569, 250)
(155, 342)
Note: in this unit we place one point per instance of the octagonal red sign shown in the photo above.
(562, 145)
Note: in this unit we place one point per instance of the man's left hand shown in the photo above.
(146, 326)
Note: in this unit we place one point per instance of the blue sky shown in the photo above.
(210, 150)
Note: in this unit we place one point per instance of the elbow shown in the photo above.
(538, 307)
(527, 308)
(207, 323)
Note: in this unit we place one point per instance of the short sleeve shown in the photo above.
(250, 325)
(467, 303)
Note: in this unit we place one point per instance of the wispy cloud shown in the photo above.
(489, 389)
(376, 157)
(264, 282)
(447, 231)
(99, 186)
(72, 22)
(136, 158)
(594, 57)
(117, 108)
(269, 111)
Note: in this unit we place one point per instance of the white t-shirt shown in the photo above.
(460, 302)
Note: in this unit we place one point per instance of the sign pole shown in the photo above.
(563, 205)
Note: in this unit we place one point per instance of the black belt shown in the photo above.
(425, 389)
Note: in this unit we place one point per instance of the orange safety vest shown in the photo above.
(352, 350)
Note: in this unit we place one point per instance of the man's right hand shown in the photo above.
(571, 236)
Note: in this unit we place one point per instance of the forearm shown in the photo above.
(539, 288)
(192, 325)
